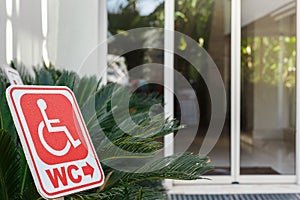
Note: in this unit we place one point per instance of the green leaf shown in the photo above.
(181, 15)
(141, 141)
(182, 46)
(179, 166)
(44, 77)
(67, 79)
(84, 88)
(9, 167)
(123, 193)
(27, 189)
(6, 121)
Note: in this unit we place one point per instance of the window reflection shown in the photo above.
(9, 41)
(208, 23)
(268, 65)
(127, 15)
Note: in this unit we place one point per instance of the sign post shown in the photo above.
(57, 146)
(13, 76)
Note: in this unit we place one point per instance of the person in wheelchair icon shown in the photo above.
(53, 129)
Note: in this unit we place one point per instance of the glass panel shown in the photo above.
(135, 28)
(208, 23)
(142, 66)
(268, 64)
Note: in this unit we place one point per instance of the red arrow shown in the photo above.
(88, 170)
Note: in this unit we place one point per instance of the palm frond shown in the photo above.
(150, 194)
(113, 194)
(179, 167)
(67, 79)
(43, 77)
(142, 102)
(27, 190)
(135, 137)
(26, 77)
(184, 166)
(112, 144)
(96, 106)
(123, 193)
(46, 75)
(9, 167)
(85, 88)
(6, 121)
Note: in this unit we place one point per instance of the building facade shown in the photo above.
(250, 46)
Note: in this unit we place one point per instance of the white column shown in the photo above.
(44, 12)
(9, 41)
(9, 31)
(73, 38)
(235, 87)
(297, 167)
(169, 76)
(102, 61)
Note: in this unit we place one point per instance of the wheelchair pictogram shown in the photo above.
(55, 139)
(47, 123)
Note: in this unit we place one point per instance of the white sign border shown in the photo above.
(25, 144)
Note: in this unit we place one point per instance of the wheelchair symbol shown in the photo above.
(52, 129)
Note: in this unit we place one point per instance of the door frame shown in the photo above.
(235, 176)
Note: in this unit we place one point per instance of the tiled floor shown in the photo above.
(278, 154)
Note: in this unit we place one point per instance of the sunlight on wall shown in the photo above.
(9, 32)
(17, 7)
(44, 12)
(44, 8)
(45, 54)
(9, 41)
(9, 5)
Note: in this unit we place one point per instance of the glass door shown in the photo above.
(253, 44)
(208, 23)
(268, 91)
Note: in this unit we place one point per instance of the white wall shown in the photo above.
(3, 17)
(253, 10)
(73, 31)
(269, 120)
(27, 32)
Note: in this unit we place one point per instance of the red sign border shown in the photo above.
(34, 171)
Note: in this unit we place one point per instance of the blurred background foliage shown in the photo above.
(269, 59)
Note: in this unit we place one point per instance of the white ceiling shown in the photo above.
(253, 10)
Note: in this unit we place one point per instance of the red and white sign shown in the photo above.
(13, 76)
(55, 140)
